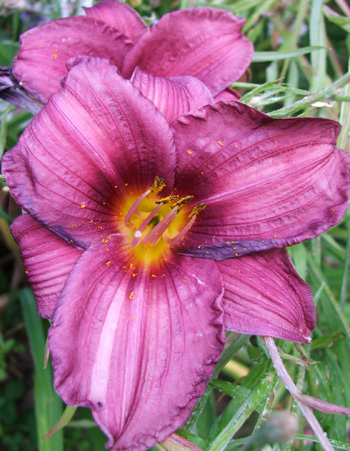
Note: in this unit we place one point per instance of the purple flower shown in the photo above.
(132, 234)
(206, 43)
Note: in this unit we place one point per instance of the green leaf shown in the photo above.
(327, 340)
(258, 396)
(48, 406)
(263, 57)
(342, 21)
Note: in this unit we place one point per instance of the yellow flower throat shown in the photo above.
(154, 225)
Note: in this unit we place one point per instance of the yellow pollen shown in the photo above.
(55, 56)
(236, 145)
(220, 143)
(125, 184)
(82, 206)
(197, 209)
(236, 254)
(275, 236)
(184, 281)
(108, 263)
(26, 272)
(166, 200)
(199, 246)
(189, 152)
(131, 295)
(182, 202)
(154, 276)
(157, 186)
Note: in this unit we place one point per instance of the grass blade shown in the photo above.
(48, 406)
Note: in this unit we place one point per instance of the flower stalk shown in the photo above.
(306, 403)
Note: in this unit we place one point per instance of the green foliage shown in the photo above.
(300, 68)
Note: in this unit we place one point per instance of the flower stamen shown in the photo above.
(152, 238)
(157, 186)
(192, 217)
(138, 232)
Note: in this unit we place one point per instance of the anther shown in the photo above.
(178, 205)
(166, 200)
(192, 218)
(197, 209)
(157, 186)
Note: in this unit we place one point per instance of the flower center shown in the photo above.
(154, 225)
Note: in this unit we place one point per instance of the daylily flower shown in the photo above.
(143, 240)
(206, 43)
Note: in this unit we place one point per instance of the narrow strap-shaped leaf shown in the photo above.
(48, 406)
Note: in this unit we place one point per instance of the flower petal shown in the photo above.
(172, 96)
(265, 296)
(47, 259)
(13, 92)
(128, 334)
(266, 182)
(227, 94)
(119, 16)
(44, 50)
(204, 42)
(96, 139)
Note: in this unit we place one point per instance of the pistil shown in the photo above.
(156, 225)
(157, 186)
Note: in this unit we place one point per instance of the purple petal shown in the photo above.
(266, 182)
(227, 94)
(13, 92)
(120, 342)
(119, 16)
(172, 96)
(205, 43)
(47, 259)
(97, 142)
(41, 61)
(265, 296)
